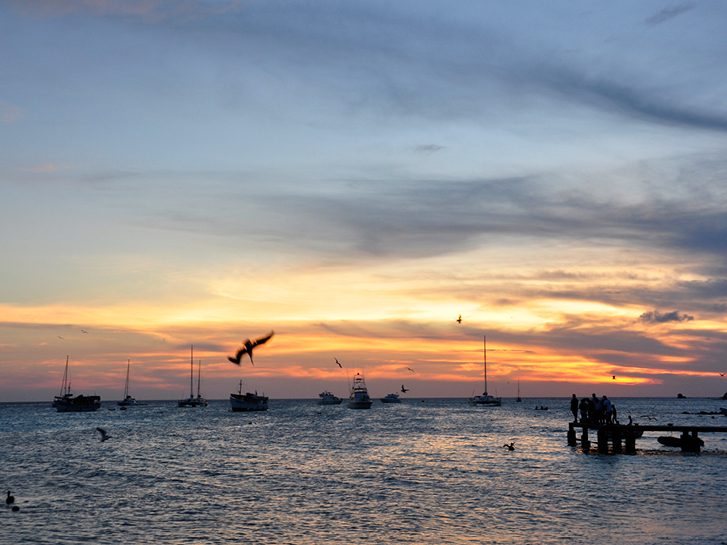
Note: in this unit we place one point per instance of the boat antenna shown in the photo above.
(484, 355)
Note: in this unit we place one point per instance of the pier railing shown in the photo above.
(623, 436)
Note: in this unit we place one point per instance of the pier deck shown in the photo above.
(626, 435)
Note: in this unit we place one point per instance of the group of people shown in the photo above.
(593, 410)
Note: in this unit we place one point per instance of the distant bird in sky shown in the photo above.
(511, 446)
(721, 374)
(247, 347)
(403, 390)
(614, 377)
(103, 433)
(410, 369)
(10, 499)
(59, 336)
(338, 362)
(84, 331)
(459, 320)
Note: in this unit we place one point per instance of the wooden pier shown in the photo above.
(623, 437)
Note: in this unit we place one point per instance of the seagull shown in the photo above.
(84, 331)
(410, 369)
(103, 433)
(403, 390)
(339, 363)
(511, 446)
(10, 499)
(459, 320)
(59, 336)
(247, 347)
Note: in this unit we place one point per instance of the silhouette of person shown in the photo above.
(574, 407)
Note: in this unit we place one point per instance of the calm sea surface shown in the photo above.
(424, 471)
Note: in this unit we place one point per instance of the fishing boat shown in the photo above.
(248, 402)
(66, 403)
(359, 398)
(486, 399)
(671, 441)
(391, 398)
(128, 401)
(327, 398)
(192, 401)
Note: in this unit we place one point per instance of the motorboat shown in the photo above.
(359, 398)
(192, 401)
(66, 403)
(391, 398)
(248, 402)
(485, 399)
(128, 401)
(327, 398)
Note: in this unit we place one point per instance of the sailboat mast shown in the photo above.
(126, 389)
(65, 379)
(199, 377)
(484, 356)
(191, 372)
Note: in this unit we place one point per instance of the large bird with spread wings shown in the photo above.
(247, 347)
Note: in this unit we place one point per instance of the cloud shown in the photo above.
(655, 317)
(668, 13)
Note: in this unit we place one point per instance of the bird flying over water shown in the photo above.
(339, 363)
(403, 390)
(103, 433)
(84, 331)
(247, 347)
(410, 369)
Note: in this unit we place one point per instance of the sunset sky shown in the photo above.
(354, 176)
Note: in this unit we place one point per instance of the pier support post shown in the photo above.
(602, 441)
(571, 435)
(585, 443)
(630, 442)
(617, 441)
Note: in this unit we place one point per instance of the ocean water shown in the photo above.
(423, 471)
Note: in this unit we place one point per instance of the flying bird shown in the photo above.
(247, 347)
(59, 336)
(410, 369)
(614, 377)
(339, 363)
(84, 331)
(721, 374)
(403, 390)
(459, 320)
(10, 499)
(103, 433)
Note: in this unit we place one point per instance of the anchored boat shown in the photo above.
(391, 398)
(327, 398)
(485, 398)
(66, 403)
(192, 401)
(248, 402)
(128, 401)
(359, 398)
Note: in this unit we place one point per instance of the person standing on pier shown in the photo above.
(574, 407)
(607, 409)
(584, 406)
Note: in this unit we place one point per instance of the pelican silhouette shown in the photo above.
(247, 347)
(403, 390)
(10, 499)
(103, 433)
(511, 446)
(339, 363)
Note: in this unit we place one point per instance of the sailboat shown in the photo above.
(128, 401)
(192, 401)
(66, 403)
(485, 398)
(518, 392)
